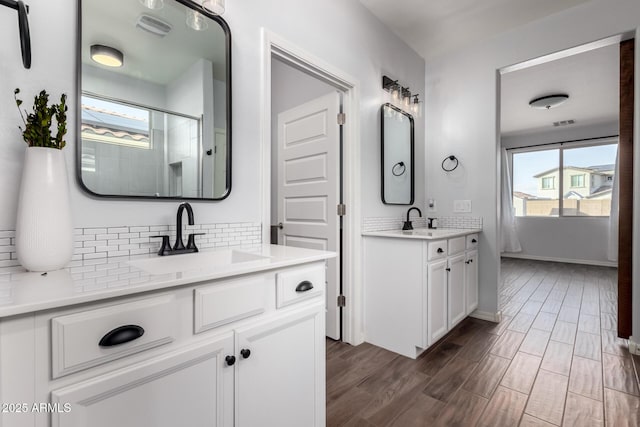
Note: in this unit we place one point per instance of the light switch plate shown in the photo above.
(462, 206)
(431, 205)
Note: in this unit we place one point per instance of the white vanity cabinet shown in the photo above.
(244, 351)
(416, 290)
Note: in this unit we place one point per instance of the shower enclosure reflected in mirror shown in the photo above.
(397, 156)
(155, 96)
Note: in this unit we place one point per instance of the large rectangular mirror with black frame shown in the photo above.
(155, 93)
(398, 158)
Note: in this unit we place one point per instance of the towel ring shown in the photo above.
(398, 169)
(453, 159)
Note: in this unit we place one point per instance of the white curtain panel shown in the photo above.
(612, 249)
(510, 241)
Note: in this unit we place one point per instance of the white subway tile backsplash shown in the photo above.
(95, 244)
(395, 223)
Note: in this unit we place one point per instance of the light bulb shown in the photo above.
(214, 6)
(196, 20)
(152, 4)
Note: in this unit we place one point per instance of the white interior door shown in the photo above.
(308, 187)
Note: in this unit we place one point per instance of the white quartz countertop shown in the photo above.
(93, 280)
(424, 233)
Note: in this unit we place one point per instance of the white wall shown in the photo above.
(290, 87)
(342, 33)
(575, 239)
(461, 115)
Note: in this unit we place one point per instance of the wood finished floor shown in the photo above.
(554, 360)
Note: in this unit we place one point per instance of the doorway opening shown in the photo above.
(310, 154)
(566, 168)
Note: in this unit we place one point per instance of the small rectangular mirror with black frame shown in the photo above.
(398, 156)
(154, 86)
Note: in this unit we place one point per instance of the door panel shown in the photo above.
(190, 387)
(290, 348)
(308, 187)
(457, 305)
(437, 297)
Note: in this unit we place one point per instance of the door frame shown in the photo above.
(274, 45)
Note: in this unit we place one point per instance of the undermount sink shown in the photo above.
(429, 232)
(195, 261)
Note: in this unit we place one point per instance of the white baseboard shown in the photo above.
(565, 260)
(634, 347)
(487, 315)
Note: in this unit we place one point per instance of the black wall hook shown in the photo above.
(23, 27)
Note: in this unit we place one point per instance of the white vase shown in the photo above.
(44, 233)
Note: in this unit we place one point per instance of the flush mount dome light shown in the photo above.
(549, 101)
(107, 56)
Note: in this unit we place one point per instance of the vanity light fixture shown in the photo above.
(401, 98)
(107, 56)
(214, 6)
(196, 20)
(416, 106)
(152, 4)
(549, 101)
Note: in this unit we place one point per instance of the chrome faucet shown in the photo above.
(407, 224)
(178, 247)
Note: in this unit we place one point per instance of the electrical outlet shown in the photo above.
(462, 206)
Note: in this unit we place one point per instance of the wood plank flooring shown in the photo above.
(555, 360)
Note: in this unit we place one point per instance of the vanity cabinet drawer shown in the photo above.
(437, 250)
(227, 302)
(299, 285)
(456, 245)
(90, 338)
(472, 241)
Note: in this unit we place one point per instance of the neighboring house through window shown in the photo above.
(564, 180)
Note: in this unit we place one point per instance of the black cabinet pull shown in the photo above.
(121, 335)
(231, 360)
(440, 250)
(474, 241)
(467, 262)
(245, 353)
(448, 269)
(304, 286)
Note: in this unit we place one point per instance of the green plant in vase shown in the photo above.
(37, 124)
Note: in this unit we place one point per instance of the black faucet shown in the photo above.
(407, 224)
(178, 247)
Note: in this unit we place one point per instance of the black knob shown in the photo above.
(474, 241)
(231, 360)
(448, 269)
(245, 353)
(440, 250)
(467, 262)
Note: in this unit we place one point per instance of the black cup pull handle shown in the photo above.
(245, 353)
(121, 335)
(440, 250)
(231, 360)
(304, 286)
(474, 241)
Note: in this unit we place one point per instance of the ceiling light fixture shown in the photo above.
(107, 56)
(549, 101)
(214, 6)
